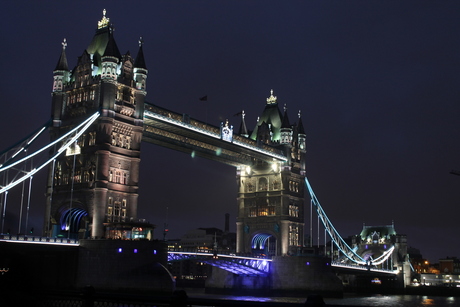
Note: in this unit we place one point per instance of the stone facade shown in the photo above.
(271, 195)
(96, 181)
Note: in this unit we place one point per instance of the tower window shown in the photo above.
(263, 184)
(117, 177)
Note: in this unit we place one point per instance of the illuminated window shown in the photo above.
(263, 211)
(124, 203)
(92, 138)
(117, 177)
(91, 94)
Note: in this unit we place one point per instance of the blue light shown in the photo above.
(327, 263)
(135, 250)
(259, 240)
(154, 251)
(120, 250)
(308, 263)
(385, 246)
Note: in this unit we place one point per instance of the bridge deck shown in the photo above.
(180, 132)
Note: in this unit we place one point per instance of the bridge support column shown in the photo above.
(239, 237)
(284, 238)
(97, 230)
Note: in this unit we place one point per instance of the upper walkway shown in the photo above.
(183, 133)
(38, 240)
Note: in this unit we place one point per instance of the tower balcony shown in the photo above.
(124, 107)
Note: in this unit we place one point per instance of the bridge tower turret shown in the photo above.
(271, 195)
(61, 76)
(93, 189)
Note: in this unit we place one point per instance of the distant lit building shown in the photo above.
(449, 280)
(201, 239)
(420, 264)
(449, 265)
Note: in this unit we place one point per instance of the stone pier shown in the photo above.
(289, 276)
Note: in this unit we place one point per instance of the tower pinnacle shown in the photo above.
(62, 62)
(104, 22)
(271, 99)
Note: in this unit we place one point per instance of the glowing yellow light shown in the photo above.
(104, 21)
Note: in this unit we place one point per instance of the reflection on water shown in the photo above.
(395, 300)
(348, 300)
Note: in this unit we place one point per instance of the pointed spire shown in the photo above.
(62, 63)
(300, 128)
(140, 61)
(285, 124)
(111, 49)
(243, 130)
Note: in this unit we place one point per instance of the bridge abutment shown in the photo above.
(288, 276)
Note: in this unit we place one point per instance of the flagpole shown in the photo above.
(205, 98)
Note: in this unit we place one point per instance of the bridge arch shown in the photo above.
(263, 244)
(71, 220)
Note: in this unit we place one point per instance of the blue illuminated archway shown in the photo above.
(263, 244)
(71, 219)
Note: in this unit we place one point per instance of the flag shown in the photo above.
(204, 98)
(238, 114)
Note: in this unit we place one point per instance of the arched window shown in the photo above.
(263, 185)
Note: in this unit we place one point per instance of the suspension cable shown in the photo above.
(80, 128)
(333, 233)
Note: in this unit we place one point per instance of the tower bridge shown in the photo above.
(99, 119)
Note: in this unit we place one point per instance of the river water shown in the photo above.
(348, 300)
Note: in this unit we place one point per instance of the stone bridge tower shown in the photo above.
(92, 189)
(271, 195)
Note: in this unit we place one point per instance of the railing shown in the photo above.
(362, 268)
(38, 240)
(209, 130)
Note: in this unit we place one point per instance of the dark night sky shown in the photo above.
(377, 83)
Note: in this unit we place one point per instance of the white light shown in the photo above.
(275, 166)
(248, 170)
